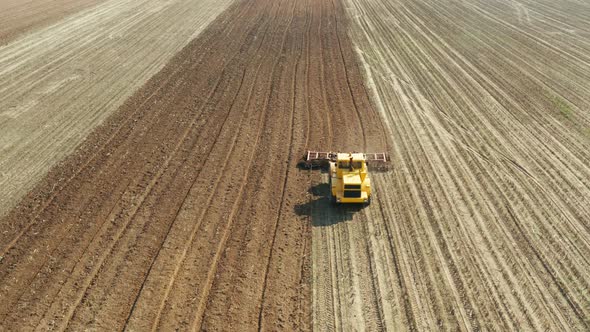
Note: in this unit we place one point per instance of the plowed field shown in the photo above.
(185, 209)
(148, 177)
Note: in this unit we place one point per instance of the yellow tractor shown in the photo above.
(349, 173)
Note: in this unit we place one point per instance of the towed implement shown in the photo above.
(349, 173)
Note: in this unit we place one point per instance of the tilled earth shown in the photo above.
(185, 208)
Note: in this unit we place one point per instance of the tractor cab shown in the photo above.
(349, 180)
(349, 173)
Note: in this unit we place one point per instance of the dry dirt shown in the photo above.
(59, 82)
(20, 16)
(484, 223)
(185, 208)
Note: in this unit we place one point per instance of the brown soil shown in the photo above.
(186, 209)
(18, 17)
(58, 83)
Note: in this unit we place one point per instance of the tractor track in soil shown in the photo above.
(185, 208)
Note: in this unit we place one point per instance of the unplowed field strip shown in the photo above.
(59, 82)
(483, 224)
(185, 209)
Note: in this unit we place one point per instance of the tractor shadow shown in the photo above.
(322, 211)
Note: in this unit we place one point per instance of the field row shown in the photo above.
(483, 223)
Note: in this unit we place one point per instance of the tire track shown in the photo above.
(273, 86)
(193, 232)
(285, 184)
(148, 189)
(200, 219)
(345, 298)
